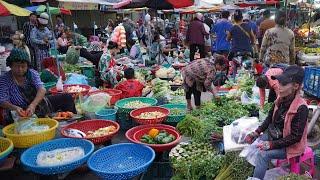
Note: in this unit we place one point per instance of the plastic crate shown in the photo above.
(311, 82)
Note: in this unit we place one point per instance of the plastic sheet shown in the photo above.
(27, 126)
(76, 79)
(59, 156)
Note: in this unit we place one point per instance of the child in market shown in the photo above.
(130, 87)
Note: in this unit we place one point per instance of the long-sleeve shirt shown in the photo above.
(273, 84)
(278, 46)
(106, 70)
(297, 125)
(26, 29)
(201, 72)
(196, 33)
(38, 35)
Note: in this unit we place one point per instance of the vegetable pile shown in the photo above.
(63, 115)
(294, 177)
(155, 136)
(136, 104)
(246, 83)
(75, 89)
(151, 115)
(101, 132)
(177, 112)
(165, 73)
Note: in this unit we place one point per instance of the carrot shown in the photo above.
(70, 114)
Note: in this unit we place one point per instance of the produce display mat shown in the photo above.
(229, 144)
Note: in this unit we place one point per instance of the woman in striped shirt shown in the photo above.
(21, 89)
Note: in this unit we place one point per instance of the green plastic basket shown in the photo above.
(49, 85)
(175, 118)
(123, 114)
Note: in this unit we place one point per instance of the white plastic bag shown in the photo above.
(242, 127)
(95, 102)
(245, 99)
(251, 152)
(275, 173)
(27, 126)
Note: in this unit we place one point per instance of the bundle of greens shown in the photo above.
(195, 161)
(71, 68)
(234, 168)
(267, 107)
(246, 83)
(190, 125)
(160, 88)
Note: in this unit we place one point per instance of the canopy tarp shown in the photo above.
(154, 4)
(53, 10)
(7, 9)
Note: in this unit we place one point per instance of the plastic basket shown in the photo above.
(123, 114)
(157, 147)
(28, 140)
(108, 114)
(92, 125)
(121, 161)
(6, 147)
(129, 134)
(135, 113)
(175, 118)
(116, 95)
(87, 88)
(311, 82)
(29, 157)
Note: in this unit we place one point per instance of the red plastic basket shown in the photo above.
(130, 132)
(158, 147)
(87, 88)
(159, 120)
(92, 125)
(116, 95)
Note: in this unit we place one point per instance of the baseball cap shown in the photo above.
(292, 74)
(44, 18)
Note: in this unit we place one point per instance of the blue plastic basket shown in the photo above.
(29, 157)
(108, 114)
(311, 82)
(121, 161)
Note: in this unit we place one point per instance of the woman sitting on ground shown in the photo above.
(21, 90)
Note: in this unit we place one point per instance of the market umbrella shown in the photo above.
(154, 4)
(7, 9)
(53, 10)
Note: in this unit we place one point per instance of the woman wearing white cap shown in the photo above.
(42, 39)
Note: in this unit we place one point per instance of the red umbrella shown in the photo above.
(156, 4)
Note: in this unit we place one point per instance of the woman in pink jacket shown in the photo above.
(285, 129)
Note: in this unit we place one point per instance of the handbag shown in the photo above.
(274, 132)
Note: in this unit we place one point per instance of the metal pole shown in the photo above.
(54, 39)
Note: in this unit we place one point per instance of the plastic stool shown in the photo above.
(307, 158)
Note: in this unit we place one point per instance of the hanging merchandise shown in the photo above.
(119, 36)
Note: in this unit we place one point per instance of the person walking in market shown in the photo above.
(198, 77)
(278, 43)
(266, 24)
(241, 36)
(26, 29)
(224, 25)
(195, 36)
(285, 128)
(42, 39)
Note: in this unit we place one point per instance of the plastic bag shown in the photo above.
(95, 102)
(251, 152)
(27, 126)
(275, 173)
(59, 156)
(76, 79)
(72, 55)
(245, 99)
(242, 127)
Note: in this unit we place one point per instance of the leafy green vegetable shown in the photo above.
(71, 68)
(190, 125)
(267, 107)
(177, 112)
(246, 83)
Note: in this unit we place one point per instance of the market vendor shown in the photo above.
(265, 81)
(285, 129)
(108, 67)
(198, 77)
(158, 48)
(131, 87)
(50, 73)
(21, 90)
